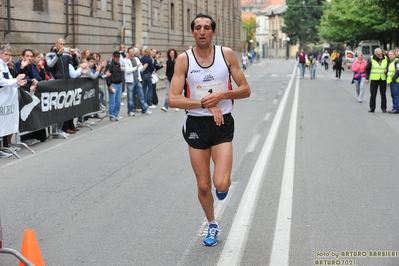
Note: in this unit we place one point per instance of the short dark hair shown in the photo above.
(90, 57)
(27, 50)
(201, 15)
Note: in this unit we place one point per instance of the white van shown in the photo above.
(367, 47)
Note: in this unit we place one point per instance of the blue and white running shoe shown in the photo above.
(211, 238)
(221, 195)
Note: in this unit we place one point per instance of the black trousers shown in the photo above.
(338, 72)
(374, 84)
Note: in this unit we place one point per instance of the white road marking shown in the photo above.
(267, 116)
(282, 235)
(238, 235)
(252, 145)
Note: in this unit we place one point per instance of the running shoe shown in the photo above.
(221, 195)
(211, 238)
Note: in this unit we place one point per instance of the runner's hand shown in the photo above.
(212, 99)
(217, 115)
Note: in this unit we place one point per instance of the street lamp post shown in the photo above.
(287, 47)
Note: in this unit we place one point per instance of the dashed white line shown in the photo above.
(252, 145)
(267, 116)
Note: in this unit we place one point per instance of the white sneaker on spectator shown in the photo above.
(64, 134)
(14, 148)
(163, 108)
(29, 142)
(5, 154)
(177, 109)
(147, 113)
(131, 114)
(122, 104)
(124, 93)
(152, 106)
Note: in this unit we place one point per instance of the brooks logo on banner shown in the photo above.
(60, 100)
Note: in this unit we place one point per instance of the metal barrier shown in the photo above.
(17, 255)
(12, 251)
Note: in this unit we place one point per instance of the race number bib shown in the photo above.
(204, 89)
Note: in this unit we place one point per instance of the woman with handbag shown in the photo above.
(157, 65)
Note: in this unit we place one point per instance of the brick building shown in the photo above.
(101, 25)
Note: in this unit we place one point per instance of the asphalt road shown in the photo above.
(315, 181)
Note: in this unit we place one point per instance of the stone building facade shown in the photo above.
(101, 25)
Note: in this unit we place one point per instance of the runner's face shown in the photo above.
(202, 32)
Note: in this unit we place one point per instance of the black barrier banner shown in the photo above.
(56, 101)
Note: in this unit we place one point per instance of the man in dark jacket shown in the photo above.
(114, 83)
(58, 61)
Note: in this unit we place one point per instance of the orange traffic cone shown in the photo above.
(30, 249)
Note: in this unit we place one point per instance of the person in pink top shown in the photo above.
(359, 75)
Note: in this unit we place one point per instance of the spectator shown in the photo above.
(312, 57)
(114, 83)
(37, 61)
(133, 69)
(326, 59)
(85, 54)
(157, 60)
(7, 82)
(302, 58)
(393, 81)
(92, 72)
(147, 72)
(338, 65)
(170, 68)
(58, 61)
(376, 72)
(27, 65)
(359, 75)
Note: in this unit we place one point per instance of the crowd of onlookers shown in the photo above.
(379, 71)
(130, 74)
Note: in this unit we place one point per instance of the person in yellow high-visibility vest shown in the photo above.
(393, 81)
(376, 75)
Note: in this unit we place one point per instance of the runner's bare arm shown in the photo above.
(176, 99)
(242, 91)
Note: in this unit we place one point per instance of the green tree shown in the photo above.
(388, 9)
(301, 19)
(250, 25)
(350, 21)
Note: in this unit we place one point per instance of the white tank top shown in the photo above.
(200, 81)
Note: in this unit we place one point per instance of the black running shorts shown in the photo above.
(201, 132)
